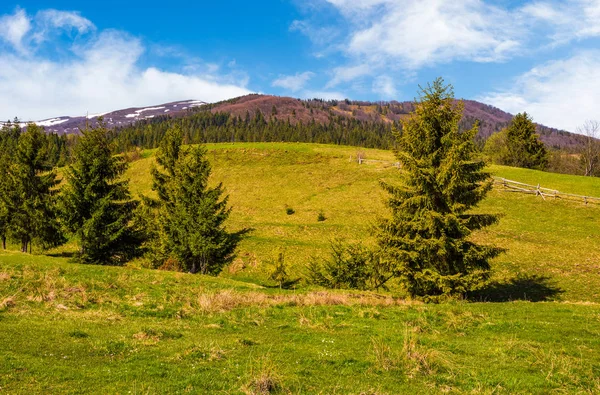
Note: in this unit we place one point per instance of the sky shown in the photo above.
(67, 57)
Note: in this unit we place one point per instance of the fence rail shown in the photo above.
(512, 186)
(515, 186)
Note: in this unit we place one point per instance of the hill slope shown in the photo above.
(557, 240)
(490, 119)
(89, 329)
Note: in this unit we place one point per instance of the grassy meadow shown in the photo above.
(68, 328)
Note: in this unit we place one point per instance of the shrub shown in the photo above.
(289, 211)
(280, 272)
(350, 266)
(321, 217)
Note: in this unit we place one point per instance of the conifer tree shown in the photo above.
(191, 214)
(425, 241)
(32, 207)
(9, 137)
(524, 147)
(96, 203)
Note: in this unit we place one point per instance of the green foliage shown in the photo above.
(290, 211)
(280, 274)
(147, 323)
(425, 242)
(496, 148)
(9, 138)
(31, 204)
(321, 216)
(518, 145)
(349, 266)
(204, 126)
(96, 205)
(191, 215)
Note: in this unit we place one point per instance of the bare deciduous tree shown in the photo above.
(590, 155)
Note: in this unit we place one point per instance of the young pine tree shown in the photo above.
(425, 242)
(96, 204)
(32, 190)
(191, 215)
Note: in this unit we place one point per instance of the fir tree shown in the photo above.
(96, 204)
(524, 147)
(32, 207)
(425, 240)
(191, 215)
(9, 138)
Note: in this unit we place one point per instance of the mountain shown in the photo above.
(119, 118)
(491, 119)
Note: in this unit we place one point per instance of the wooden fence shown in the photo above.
(537, 190)
(512, 186)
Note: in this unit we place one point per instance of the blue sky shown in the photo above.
(72, 57)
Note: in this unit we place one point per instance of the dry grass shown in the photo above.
(226, 300)
(7, 302)
(264, 379)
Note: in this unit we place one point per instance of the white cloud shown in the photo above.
(13, 29)
(293, 83)
(566, 20)
(102, 74)
(416, 33)
(560, 93)
(385, 87)
(348, 73)
(64, 20)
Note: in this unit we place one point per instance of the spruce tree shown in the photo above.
(191, 214)
(524, 147)
(32, 190)
(96, 203)
(425, 242)
(9, 138)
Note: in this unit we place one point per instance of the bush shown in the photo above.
(289, 211)
(350, 266)
(321, 217)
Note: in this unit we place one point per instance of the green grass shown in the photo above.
(553, 247)
(83, 329)
(68, 328)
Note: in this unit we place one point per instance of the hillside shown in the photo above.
(554, 242)
(152, 331)
(490, 119)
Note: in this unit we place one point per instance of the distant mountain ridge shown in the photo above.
(115, 119)
(491, 119)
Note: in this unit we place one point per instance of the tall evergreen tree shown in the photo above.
(96, 204)
(524, 146)
(9, 138)
(191, 215)
(33, 213)
(425, 240)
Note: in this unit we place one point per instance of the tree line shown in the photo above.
(184, 226)
(221, 127)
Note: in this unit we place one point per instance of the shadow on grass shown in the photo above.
(290, 284)
(532, 288)
(62, 254)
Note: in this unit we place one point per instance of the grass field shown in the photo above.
(68, 328)
(553, 247)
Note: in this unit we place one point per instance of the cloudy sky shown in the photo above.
(69, 57)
